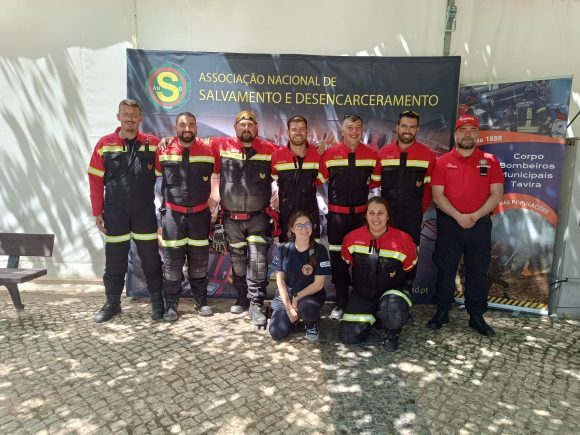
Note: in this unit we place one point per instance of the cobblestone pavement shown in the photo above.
(61, 373)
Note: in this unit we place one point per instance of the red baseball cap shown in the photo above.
(466, 119)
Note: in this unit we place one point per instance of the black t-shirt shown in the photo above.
(297, 273)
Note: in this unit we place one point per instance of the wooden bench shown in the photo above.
(16, 245)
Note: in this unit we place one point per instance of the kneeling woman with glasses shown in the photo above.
(301, 267)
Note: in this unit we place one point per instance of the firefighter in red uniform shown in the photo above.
(245, 193)
(351, 169)
(122, 181)
(467, 185)
(295, 168)
(381, 257)
(406, 173)
(187, 165)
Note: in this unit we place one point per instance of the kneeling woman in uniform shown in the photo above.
(382, 259)
(301, 267)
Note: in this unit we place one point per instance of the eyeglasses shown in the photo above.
(354, 117)
(409, 114)
(129, 116)
(306, 226)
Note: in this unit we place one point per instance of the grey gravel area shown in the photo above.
(60, 373)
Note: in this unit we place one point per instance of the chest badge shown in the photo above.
(418, 183)
(150, 166)
(205, 178)
(392, 274)
(262, 175)
(307, 270)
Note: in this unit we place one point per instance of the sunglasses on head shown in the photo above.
(409, 114)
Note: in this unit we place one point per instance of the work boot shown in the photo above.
(111, 308)
(391, 343)
(200, 304)
(478, 323)
(258, 317)
(171, 310)
(440, 318)
(337, 313)
(240, 305)
(157, 306)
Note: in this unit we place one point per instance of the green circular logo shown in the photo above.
(168, 86)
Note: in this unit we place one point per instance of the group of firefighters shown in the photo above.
(125, 164)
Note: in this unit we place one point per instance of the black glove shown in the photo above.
(220, 239)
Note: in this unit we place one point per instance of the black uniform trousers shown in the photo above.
(338, 226)
(126, 220)
(407, 215)
(248, 241)
(185, 241)
(361, 315)
(308, 310)
(474, 244)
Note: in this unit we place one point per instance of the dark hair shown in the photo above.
(312, 243)
(131, 103)
(408, 114)
(353, 117)
(191, 115)
(297, 118)
(380, 200)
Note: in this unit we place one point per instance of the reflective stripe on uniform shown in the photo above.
(410, 163)
(334, 247)
(400, 294)
(337, 162)
(200, 242)
(152, 148)
(292, 165)
(375, 177)
(256, 239)
(363, 249)
(182, 242)
(241, 156)
(427, 179)
(238, 244)
(361, 318)
(321, 178)
(201, 159)
(170, 158)
(118, 239)
(366, 163)
(173, 243)
(148, 236)
(157, 173)
(112, 149)
(95, 171)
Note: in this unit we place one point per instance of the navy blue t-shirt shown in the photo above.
(297, 273)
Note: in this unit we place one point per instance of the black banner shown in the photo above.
(323, 89)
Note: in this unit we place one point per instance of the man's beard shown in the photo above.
(187, 137)
(404, 140)
(298, 144)
(246, 137)
(466, 145)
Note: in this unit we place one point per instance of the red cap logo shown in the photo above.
(467, 119)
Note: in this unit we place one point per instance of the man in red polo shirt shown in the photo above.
(467, 185)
